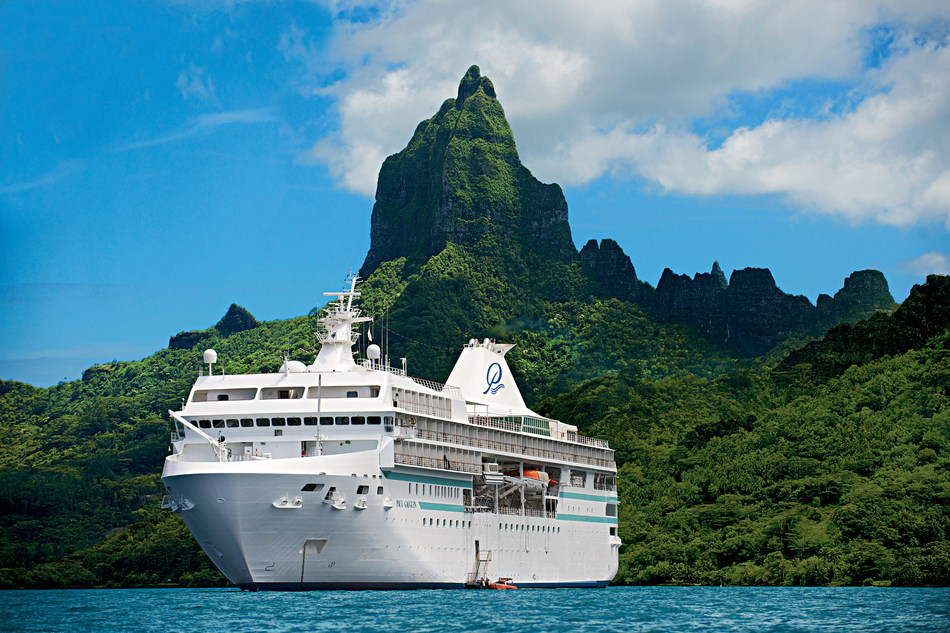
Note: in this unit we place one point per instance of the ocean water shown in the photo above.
(666, 609)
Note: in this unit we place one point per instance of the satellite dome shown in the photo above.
(295, 367)
(210, 356)
(372, 352)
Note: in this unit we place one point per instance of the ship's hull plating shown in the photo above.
(265, 531)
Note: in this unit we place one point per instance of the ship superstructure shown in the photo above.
(348, 474)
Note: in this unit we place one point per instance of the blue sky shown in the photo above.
(160, 160)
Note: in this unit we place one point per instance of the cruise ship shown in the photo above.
(350, 474)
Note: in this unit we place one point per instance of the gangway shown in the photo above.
(478, 577)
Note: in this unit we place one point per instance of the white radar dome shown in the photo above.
(210, 356)
(372, 352)
(294, 367)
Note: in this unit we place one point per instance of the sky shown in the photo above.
(160, 160)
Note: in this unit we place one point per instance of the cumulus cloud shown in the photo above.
(628, 88)
(932, 263)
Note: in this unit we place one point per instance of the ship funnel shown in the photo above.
(482, 374)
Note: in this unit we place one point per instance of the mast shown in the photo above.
(338, 335)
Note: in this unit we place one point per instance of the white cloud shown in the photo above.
(932, 263)
(194, 85)
(64, 170)
(619, 86)
(205, 123)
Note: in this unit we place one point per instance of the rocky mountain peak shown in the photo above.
(865, 292)
(470, 83)
(460, 179)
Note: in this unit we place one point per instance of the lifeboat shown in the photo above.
(538, 475)
(502, 583)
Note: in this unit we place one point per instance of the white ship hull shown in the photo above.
(256, 525)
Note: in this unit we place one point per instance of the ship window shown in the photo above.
(374, 419)
(232, 424)
(286, 393)
(205, 424)
(611, 509)
(362, 490)
(263, 421)
(330, 493)
(217, 424)
(246, 422)
(205, 395)
(379, 490)
(326, 421)
(293, 421)
(278, 432)
(311, 487)
(342, 419)
(352, 394)
(311, 421)
(388, 419)
(277, 421)
(358, 419)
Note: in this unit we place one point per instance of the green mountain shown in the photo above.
(831, 468)
(841, 479)
(460, 181)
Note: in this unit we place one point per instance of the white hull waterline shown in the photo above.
(345, 475)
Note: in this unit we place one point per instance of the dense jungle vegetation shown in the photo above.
(831, 466)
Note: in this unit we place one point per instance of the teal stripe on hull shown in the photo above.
(584, 497)
(586, 518)
(444, 507)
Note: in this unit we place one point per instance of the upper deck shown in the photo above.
(338, 405)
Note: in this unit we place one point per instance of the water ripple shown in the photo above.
(621, 609)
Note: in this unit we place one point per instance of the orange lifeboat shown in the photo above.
(541, 476)
(502, 583)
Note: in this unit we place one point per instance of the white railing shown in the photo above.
(508, 447)
(425, 409)
(438, 386)
(244, 457)
(375, 365)
(509, 425)
(528, 512)
(589, 441)
(436, 462)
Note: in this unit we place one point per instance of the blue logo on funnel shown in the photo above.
(493, 378)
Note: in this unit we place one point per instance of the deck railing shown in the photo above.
(508, 424)
(438, 386)
(435, 462)
(528, 512)
(508, 447)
